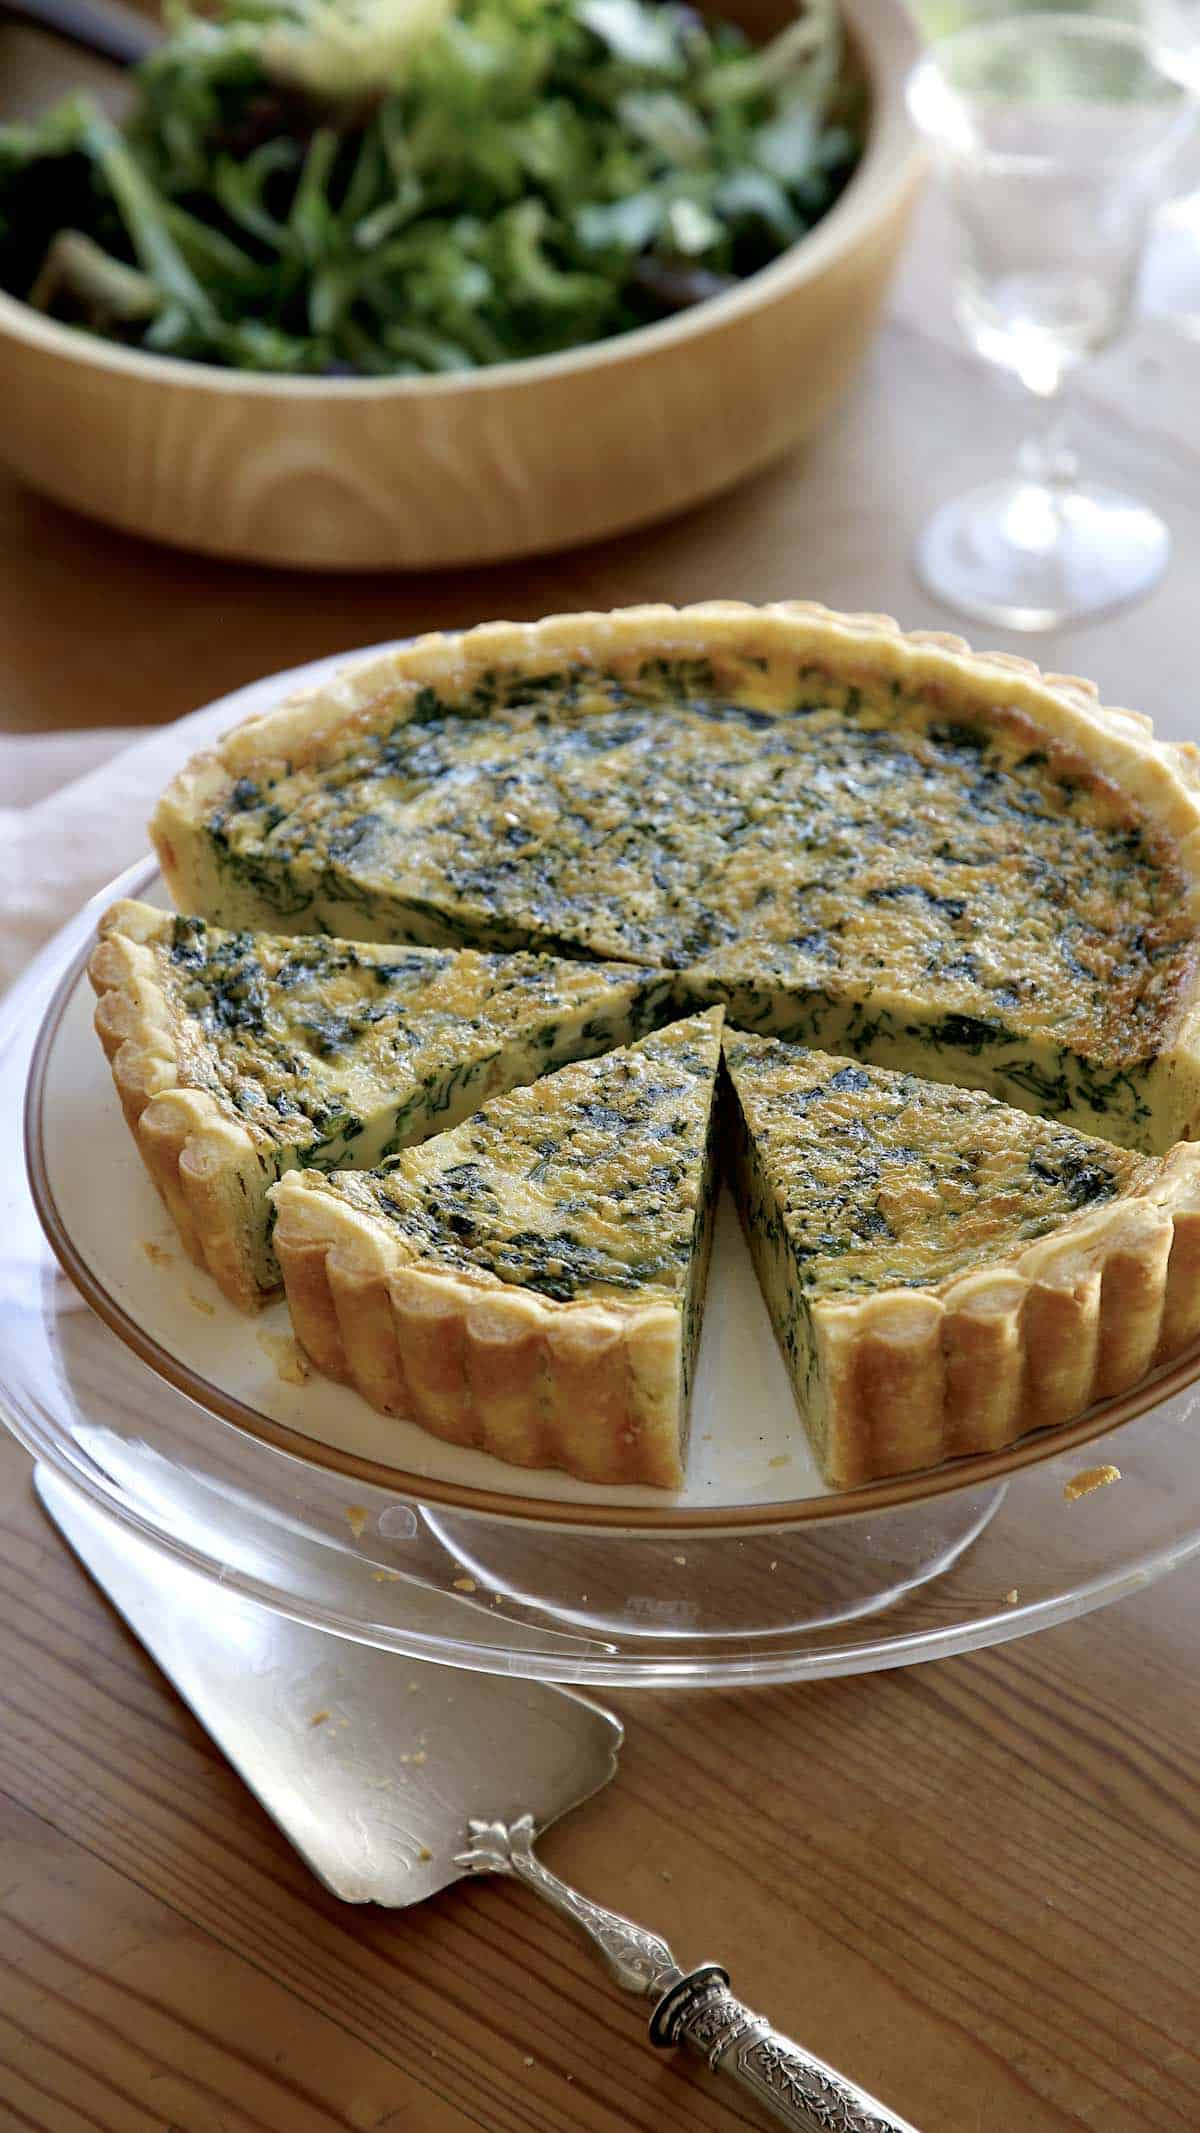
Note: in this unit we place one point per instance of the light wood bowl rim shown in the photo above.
(893, 156)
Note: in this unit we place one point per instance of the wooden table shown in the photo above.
(976, 1885)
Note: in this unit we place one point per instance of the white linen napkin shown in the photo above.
(33, 765)
(60, 841)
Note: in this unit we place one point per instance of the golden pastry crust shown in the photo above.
(594, 1388)
(915, 1376)
(203, 1164)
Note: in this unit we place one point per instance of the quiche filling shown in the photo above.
(854, 1183)
(589, 1192)
(865, 864)
(949, 909)
(876, 1180)
(329, 1052)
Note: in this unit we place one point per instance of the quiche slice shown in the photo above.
(878, 843)
(238, 1056)
(945, 1273)
(531, 1281)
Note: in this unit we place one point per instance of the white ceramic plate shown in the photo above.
(749, 1461)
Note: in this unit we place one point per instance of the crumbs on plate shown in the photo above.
(291, 1363)
(1092, 1478)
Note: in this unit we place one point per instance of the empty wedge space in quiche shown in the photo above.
(881, 844)
(238, 1056)
(530, 1282)
(945, 1273)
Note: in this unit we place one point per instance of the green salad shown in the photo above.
(389, 187)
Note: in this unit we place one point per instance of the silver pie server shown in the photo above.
(395, 1777)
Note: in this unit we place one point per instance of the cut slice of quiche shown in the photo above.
(530, 1282)
(882, 844)
(945, 1273)
(237, 1056)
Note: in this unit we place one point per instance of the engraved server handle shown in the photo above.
(798, 2089)
(698, 2010)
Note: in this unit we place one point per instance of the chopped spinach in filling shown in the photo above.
(593, 1182)
(315, 1041)
(876, 1180)
(830, 837)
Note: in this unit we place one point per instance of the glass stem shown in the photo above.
(1048, 458)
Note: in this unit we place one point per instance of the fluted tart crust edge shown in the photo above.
(906, 1378)
(596, 1388)
(206, 1167)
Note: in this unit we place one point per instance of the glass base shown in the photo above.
(752, 1585)
(867, 1585)
(1029, 556)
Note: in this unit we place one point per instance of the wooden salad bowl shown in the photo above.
(486, 465)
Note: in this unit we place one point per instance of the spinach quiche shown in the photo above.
(238, 1056)
(944, 1272)
(531, 1280)
(881, 844)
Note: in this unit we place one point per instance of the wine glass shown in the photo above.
(1171, 289)
(1175, 27)
(1055, 135)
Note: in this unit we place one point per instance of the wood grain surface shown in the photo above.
(975, 1885)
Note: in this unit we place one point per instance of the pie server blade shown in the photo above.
(395, 1777)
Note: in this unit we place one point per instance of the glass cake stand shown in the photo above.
(123, 1371)
(133, 1381)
